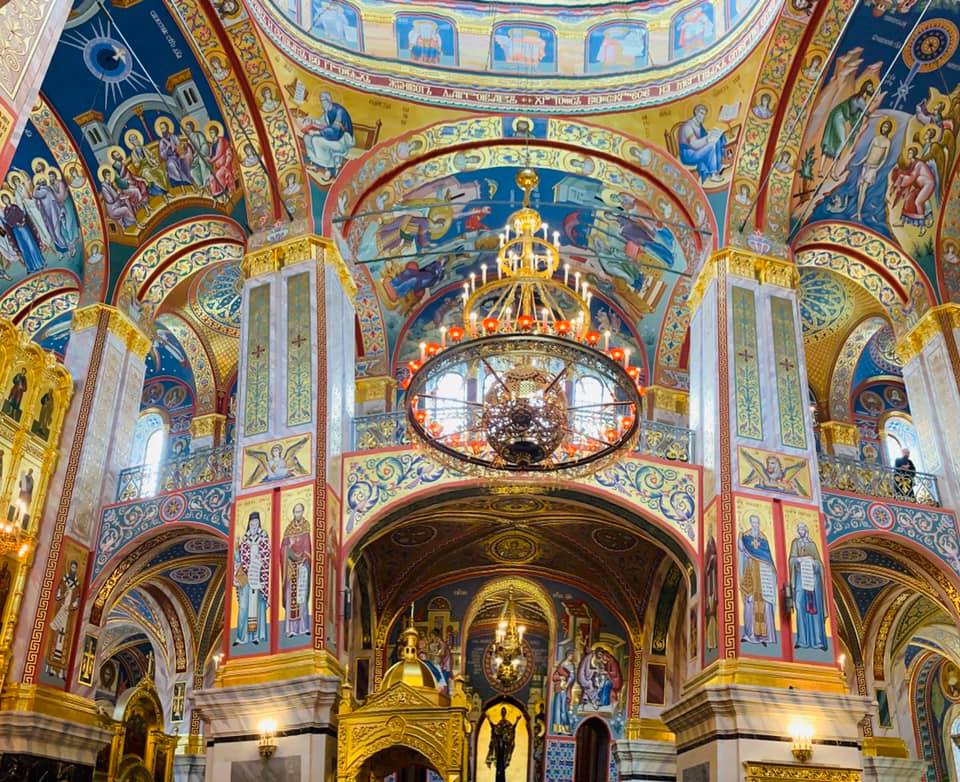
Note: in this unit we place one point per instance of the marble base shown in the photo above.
(41, 735)
(305, 713)
(893, 770)
(721, 727)
(189, 768)
(640, 760)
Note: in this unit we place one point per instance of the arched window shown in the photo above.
(447, 406)
(149, 449)
(897, 432)
(589, 397)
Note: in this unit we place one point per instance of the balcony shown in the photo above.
(877, 480)
(210, 465)
(388, 430)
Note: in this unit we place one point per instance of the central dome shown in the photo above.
(521, 54)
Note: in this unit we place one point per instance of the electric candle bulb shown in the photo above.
(606, 340)
(626, 358)
(566, 271)
(473, 281)
(423, 350)
(483, 272)
(443, 336)
(556, 239)
(503, 240)
(545, 232)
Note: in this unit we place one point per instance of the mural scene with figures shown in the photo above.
(479, 391)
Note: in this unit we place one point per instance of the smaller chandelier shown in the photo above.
(508, 655)
(539, 389)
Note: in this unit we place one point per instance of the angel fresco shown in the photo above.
(770, 474)
(278, 464)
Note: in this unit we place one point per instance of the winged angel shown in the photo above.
(773, 476)
(278, 464)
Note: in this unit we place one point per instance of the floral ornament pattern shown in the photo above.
(208, 506)
(932, 528)
(824, 303)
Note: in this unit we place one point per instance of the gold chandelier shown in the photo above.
(508, 654)
(543, 390)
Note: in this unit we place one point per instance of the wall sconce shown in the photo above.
(268, 738)
(802, 742)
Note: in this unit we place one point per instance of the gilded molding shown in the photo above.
(647, 729)
(839, 433)
(775, 674)
(243, 671)
(118, 323)
(298, 250)
(743, 263)
(779, 772)
(40, 699)
(935, 321)
(885, 747)
(375, 389)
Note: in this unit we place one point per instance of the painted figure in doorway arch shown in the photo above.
(711, 599)
(700, 147)
(6, 578)
(563, 679)
(425, 43)
(758, 585)
(12, 406)
(502, 741)
(296, 552)
(806, 575)
(252, 582)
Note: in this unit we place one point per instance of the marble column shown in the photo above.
(930, 353)
(29, 33)
(106, 358)
(768, 658)
(296, 402)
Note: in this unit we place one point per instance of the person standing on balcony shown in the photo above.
(904, 477)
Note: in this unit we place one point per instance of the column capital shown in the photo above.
(647, 729)
(117, 322)
(209, 425)
(665, 398)
(243, 672)
(839, 433)
(375, 389)
(935, 320)
(743, 263)
(297, 250)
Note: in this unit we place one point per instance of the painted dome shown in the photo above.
(481, 55)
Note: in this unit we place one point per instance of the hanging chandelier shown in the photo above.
(524, 383)
(508, 653)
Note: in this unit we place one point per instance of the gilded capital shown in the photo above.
(375, 389)
(672, 399)
(738, 262)
(210, 425)
(839, 433)
(937, 320)
(290, 252)
(117, 322)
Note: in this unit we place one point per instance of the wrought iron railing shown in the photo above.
(205, 466)
(388, 430)
(877, 480)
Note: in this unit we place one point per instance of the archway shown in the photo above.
(497, 743)
(592, 754)
(398, 764)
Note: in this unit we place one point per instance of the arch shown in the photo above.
(846, 365)
(506, 707)
(591, 757)
(881, 268)
(497, 585)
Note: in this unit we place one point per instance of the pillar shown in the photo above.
(768, 665)
(931, 373)
(838, 438)
(106, 358)
(31, 30)
(296, 392)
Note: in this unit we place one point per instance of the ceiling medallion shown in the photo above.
(512, 548)
(524, 385)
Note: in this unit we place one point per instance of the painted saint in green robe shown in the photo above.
(842, 119)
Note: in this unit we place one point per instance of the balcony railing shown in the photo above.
(205, 466)
(876, 480)
(388, 430)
